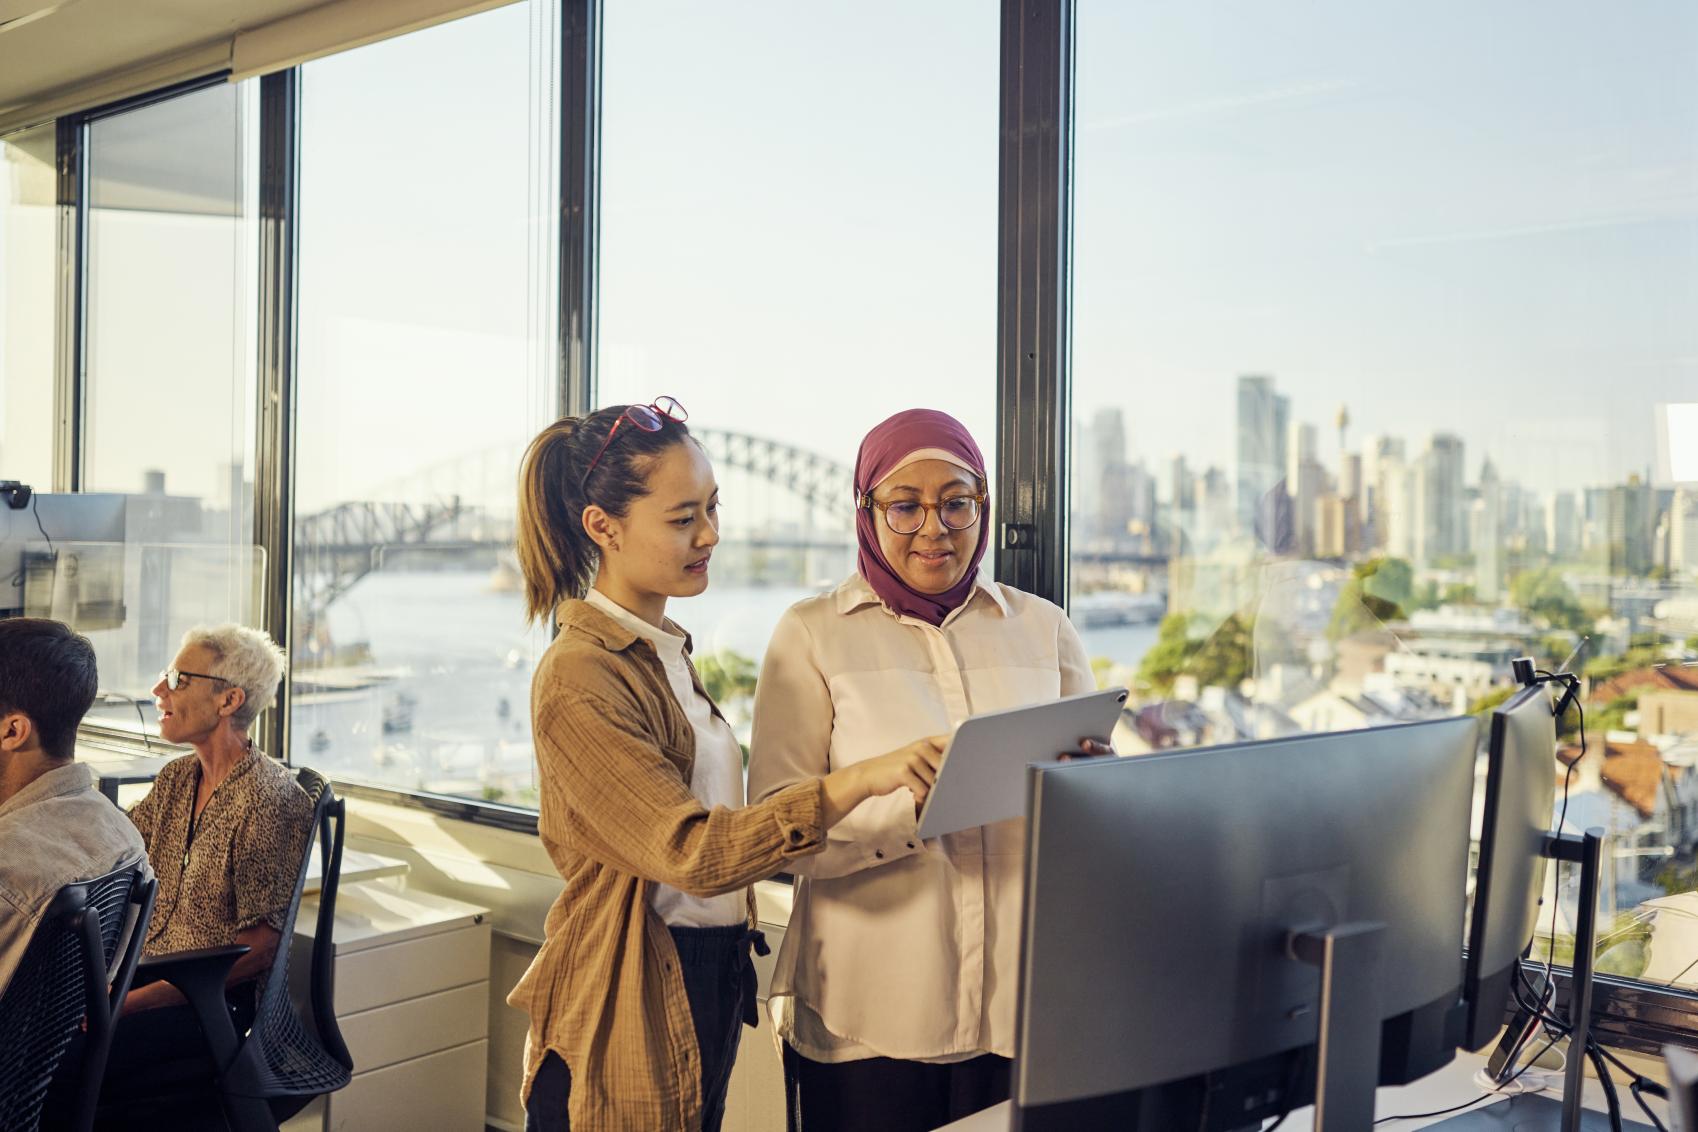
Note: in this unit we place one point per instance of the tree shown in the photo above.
(1391, 580)
(727, 675)
(1483, 706)
(1543, 593)
(1220, 659)
(1376, 593)
(1165, 660)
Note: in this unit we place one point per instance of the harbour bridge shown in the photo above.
(466, 504)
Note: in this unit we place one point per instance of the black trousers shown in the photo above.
(884, 1094)
(719, 980)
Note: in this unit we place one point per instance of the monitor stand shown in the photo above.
(1348, 1046)
(1529, 1112)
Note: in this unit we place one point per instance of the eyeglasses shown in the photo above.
(650, 418)
(175, 678)
(907, 516)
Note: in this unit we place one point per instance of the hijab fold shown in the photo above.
(913, 433)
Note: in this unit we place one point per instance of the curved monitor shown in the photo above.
(1162, 890)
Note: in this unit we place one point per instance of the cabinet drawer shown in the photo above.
(443, 1092)
(379, 976)
(389, 1034)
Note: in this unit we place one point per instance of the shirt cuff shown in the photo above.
(799, 810)
(894, 828)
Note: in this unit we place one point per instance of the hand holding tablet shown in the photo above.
(983, 777)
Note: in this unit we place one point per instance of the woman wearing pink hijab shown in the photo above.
(894, 990)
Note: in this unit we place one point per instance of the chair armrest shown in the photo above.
(200, 976)
(208, 962)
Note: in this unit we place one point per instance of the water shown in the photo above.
(443, 704)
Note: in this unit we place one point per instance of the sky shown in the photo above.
(1479, 219)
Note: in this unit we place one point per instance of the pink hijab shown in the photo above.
(886, 448)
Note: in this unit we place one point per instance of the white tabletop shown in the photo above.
(1452, 1085)
(356, 866)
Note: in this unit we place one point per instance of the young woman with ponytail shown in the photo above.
(644, 980)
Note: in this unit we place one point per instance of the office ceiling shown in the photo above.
(52, 45)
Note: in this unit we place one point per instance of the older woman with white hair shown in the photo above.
(225, 826)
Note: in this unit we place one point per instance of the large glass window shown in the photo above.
(164, 539)
(1373, 322)
(798, 239)
(426, 261)
(29, 284)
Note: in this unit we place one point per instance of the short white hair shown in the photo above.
(247, 658)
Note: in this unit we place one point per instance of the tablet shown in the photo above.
(983, 776)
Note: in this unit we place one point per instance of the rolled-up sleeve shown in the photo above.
(792, 743)
(609, 792)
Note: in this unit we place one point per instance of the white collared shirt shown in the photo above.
(715, 780)
(898, 947)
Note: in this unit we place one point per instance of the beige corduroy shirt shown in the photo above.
(615, 753)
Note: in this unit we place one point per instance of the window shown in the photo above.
(798, 239)
(29, 284)
(1373, 321)
(425, 365)
(165, 539)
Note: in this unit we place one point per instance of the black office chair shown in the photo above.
(78, 966)
(278, 1066)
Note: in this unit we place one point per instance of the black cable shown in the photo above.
(1607, 1082)
(1439, 1112)
(33, 511)
(140, 715)
(1482, 1097)
(1638, 1085)
(1299, 1066)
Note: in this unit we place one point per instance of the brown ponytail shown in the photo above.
(556, 555)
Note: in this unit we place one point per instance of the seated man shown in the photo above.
(55, 828)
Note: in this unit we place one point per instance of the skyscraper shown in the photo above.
(1303, 481)
(1440, 499)
(1262, 420)
(1485, 537)
(1562, 525)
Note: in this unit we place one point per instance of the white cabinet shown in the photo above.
(412, 999)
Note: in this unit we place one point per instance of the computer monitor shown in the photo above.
(1164, 893)
(33, 537)
(1510, 877)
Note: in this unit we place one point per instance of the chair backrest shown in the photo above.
(78, 966)
(269, 1063)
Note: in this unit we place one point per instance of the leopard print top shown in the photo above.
(240, 869)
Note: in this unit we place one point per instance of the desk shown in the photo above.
(356, 867)
(113, 769)
(1452, 1085)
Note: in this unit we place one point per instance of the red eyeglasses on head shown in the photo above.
(650, 418)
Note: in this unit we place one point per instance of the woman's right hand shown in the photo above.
(914, 766)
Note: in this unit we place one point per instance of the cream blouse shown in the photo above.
(897, 947)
